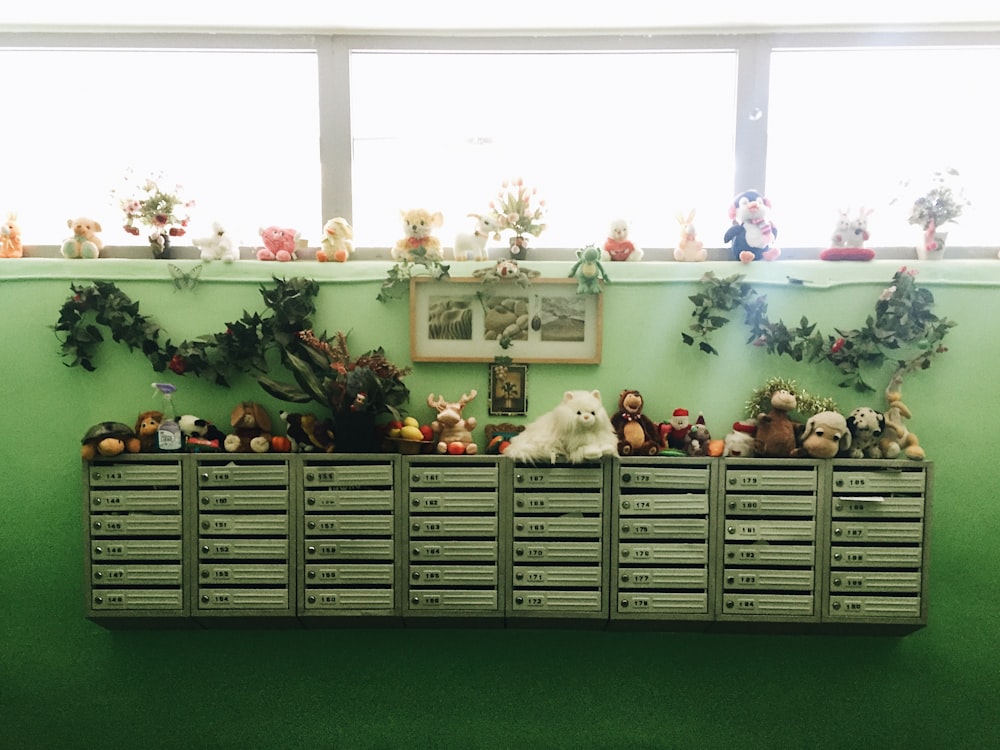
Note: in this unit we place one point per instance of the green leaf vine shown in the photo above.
(903, 329)
(241, 348)
(399, 275)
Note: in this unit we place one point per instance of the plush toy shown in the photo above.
(147, 424)
(866, 427)
(826, 435)
(10, 238)
(200, 435)
(308, 433)
(451, 430)
(689, 247)
(637, 434)
(419, 225)
(217, 246)
(107, 439)
(498, 437)
(848, 238)
(698, 440)
(251, 429)
(279, 244)
(777, 433)
(752, 231)
(84, 243)
(588, 271)
(739, 442)
(336, 244)
(898, 439)
(674, 431)
(578, 429)
(618, 247)
(474, 243)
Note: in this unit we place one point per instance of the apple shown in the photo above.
(427, 432)
(281, 444)
(394, 427)
(456, 449)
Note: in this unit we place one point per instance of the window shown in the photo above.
(239, 130)
(846, 126)
(601, 135)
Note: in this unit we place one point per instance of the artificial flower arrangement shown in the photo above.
(518, 208)
(942, 203)
(149, 204)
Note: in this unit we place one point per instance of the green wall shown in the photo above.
(67, 683)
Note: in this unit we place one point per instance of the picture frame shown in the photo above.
(467, 320)
(508, 390)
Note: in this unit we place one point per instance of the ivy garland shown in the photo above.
(241, 348)
(399, 275)
(903, 329)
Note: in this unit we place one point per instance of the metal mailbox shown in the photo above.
(136, 540)
(559, 548)
(452, 527)
(768, 540)
(661, 531)
(350, 551)
(877, 548)
(245, 537)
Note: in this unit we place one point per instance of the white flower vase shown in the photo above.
(931, 247)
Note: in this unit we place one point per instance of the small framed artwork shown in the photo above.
(465, 320)
(508, 390)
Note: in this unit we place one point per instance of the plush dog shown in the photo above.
(898, 439)
(84, 243)
(307, 432)
(251, 429)
(825, 436)
(867, 427)
(336, 244)
(419, 243)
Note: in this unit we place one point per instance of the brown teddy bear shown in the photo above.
(251, 429)
(419, 242)
(777, 433)
(637, 434)
(146, 426)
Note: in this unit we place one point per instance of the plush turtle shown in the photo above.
(107, 439)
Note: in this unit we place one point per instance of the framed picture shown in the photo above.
(465, 320)
(508, 390)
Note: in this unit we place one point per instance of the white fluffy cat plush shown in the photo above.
(577, 430)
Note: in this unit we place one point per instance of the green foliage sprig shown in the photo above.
(241, 348)
(400, 273)
(902, 329)
(807, 405)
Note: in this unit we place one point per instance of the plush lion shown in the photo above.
(637, 434)
(419, 242)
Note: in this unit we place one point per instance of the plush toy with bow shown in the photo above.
(618, 247)
(752, 232)
(419, 243)
(638, 435)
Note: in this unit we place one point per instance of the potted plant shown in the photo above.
(943, 202)
(517, 208)
(362, 392)
(161, 211)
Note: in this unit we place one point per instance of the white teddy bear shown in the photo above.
(218, 245)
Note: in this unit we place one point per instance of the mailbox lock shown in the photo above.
(204, 477)
(730, 604)
(732, 504)
(415, 503)
(519, 576)
(206, 525)
(730, 579)
(310, 476)
(624, 577)
(626, 478)
(415, 575)
(626, 504)
(519, 526)
(205, 501)
(519, 551)
(839, 506)
(311, 550)
(416, 527)
(732, 480)
(206, 549)
(311, 525)
(98, 574)
(205, 598)
(97, 501)
(731, 529)
(99, 599)
(624, 603)
(839, 483)
(414, 479)
(415, 600)
(311, 599)
(205, 574)
(625, 528)
(311, 574)
(520, 503)
(97, 524)
(836, 556)
(624, 553)
(835, 605)
(518, 600)
(836, 581)
(519, 478)
(837, 532)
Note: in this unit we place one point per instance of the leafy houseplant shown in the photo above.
(516, 208)
(942, 203)
(361, 391)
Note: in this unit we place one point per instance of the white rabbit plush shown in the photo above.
(858, 233)
(842, 230)
(689, 247)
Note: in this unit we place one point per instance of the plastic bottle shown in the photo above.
(168, 437)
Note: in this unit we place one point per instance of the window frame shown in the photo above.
(333, 54)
